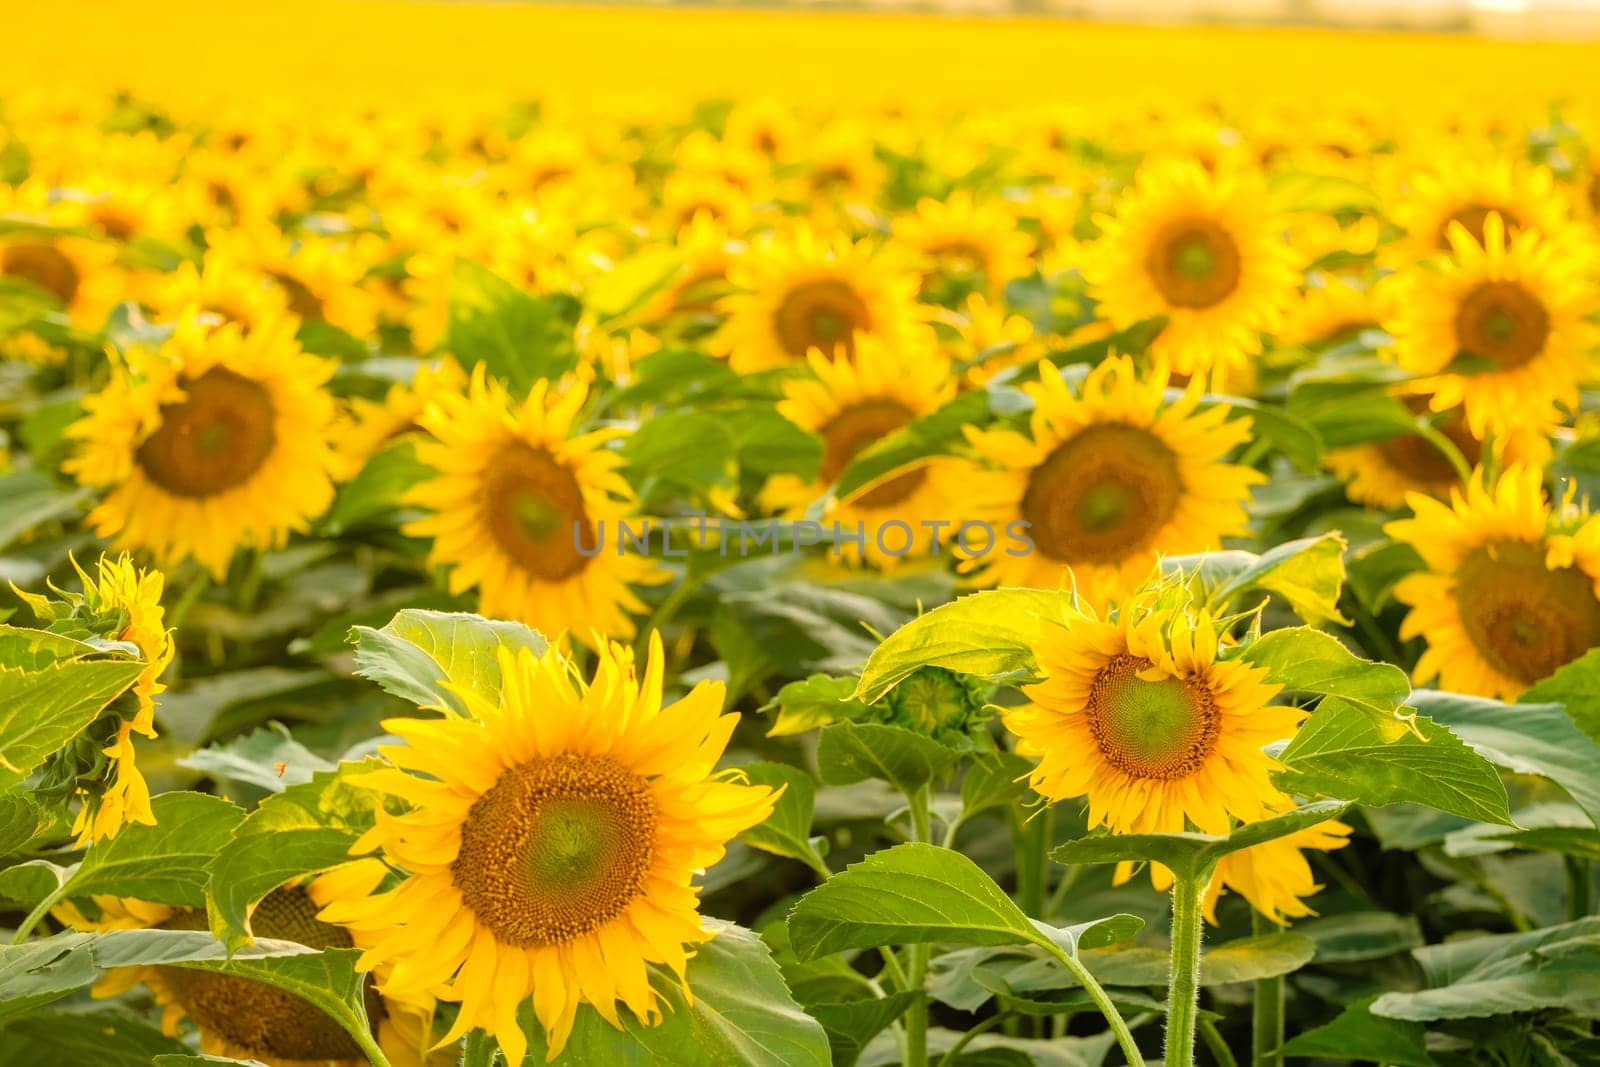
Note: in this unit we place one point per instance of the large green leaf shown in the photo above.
(1348, 751)
(269, 758)
(21, 822)
(1357, 1034)
(518, 337)
(1576, 686)
(812, 702)
(1556, 971)
(1523, 738)
(851, 1024)
(36, 973)
(419, 651)
(787, 831)
(32, 499)
(849, 752)
(380, 486)
(104, 1039)
(41, 710)
(742, 1016)
(31, 650)
(1307, 573)
(1303, 660)
(165, 863)
(298, 832)
(990, 634)
(907, 894)
(1361, 935)
(1188, 854)
(1251, 958)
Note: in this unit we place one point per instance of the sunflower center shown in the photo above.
(1502, 321)
(1524, 619)
(1594, 191)
(1472, 219)
(214, 439)
(960, 258)
(1161, 729)
(1194, 263)
(556, 848)
(858, 426)
(263, 1020)
(44, 265)
(534, 510)
(821, 314)
(1102, 495)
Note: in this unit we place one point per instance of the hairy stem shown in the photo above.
(1183, 998)
(1267, 1021)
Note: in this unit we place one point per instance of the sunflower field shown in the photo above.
(779, 581)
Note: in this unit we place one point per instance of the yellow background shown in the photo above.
(443, 55)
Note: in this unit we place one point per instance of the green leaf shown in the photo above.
(268, 757)
(1556, 972)
(1576, 687)
(742, 1014)
(1307, 573)
(812, 702)
(989, 634)
(1361, 935)
(420, 650)
(851, 1024)
(1357, 1034)
(32, 650)
(292, 834)
(1320, 194)
(994, 780)
(40, 711)
(197, 1059)
(1524, 739)
(1292, 437)
(22, 822)
(1348, 751)
(37, 973)
(32, 500)
(164, 863)
(1303, 660)
(1188, 854)
(378, 488)
(787, 831)
(933, 434)
(518, 338)
(104, 1039)
(849, 752)
(908, 894)
(1250, 958)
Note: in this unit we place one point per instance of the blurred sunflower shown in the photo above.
(43, 250)
(1200, 250)
(245, 1019)
(965, 246)
(526, 512)
(1275, 877)
(220, 285)
(1466, 193)
(852, 404)
(808, 292)
(1331, 313)
(1106, 480)
(1512, 587)
(1141, 714)
(992, 339)
(1513, 311)
(1382, 473)
(216, 441)
(705, 252)
(552, 844)
(371, 424)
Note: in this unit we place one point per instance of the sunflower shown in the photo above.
(992, 339)
(704, 253)
(526, 512)
(215, 441)
(1512, 587)
(809, 292)
(132, 598)
(1382, 473)
(1201, 251)
(321, 277)
(687, 196)
(80, 273)
(219, 285)
(1275, 877)
(1106, 481)
(1331, 313)
(371, 424)
(850, 405)
(552, 844)
(245, 1019)
(1515, 309)
(1466, 193)
(966, 244)
(1141, 714)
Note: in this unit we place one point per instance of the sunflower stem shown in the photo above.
(1431, 434)
(37, 915)
(1266, 1036)
(917, 1014)
(1218, 1047)
(1033, 866)
(480, 1050)
(1097, 993)
(1580, 882)
(1183, 997)
(375, 1054)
